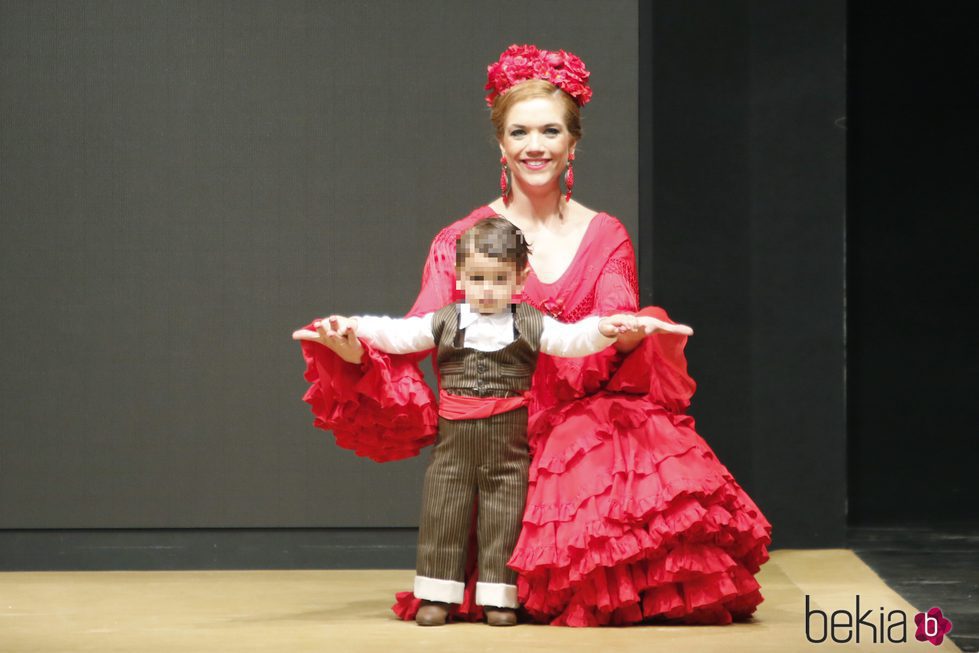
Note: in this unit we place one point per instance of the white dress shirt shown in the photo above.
(483, 332)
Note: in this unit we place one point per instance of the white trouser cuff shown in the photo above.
(498, 595)
(436, 589)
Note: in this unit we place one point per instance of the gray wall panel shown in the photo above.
(184, 183)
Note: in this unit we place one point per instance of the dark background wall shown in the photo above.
(748, 202)
(912, 271)
(184, 184)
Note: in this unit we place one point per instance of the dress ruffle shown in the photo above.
(381, 409)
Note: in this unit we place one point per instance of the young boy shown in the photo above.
(487, 350)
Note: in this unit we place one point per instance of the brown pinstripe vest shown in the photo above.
(469, 372)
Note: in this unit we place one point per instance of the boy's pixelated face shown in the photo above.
(489, 283)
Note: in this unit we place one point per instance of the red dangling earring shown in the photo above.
(569, 178)
(504, 182)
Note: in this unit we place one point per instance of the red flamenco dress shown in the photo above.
(630, 517)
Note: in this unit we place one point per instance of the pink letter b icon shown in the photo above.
(932, 626)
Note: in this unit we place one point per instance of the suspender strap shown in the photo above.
(460, 339)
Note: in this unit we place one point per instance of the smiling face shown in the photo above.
(536, 142)
(489, 283)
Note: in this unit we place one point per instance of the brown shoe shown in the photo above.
(432, 613)
(500, 616)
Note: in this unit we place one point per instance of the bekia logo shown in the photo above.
(842, 626)
(932, 626)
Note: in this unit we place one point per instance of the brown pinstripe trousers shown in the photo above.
(488, 457)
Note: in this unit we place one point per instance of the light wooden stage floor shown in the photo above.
(338, 611)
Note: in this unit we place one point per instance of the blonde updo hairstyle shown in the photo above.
(530, 90)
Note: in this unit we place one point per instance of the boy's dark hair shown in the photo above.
(496, 237)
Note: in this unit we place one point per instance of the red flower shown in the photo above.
(575, 66)
(554, 58)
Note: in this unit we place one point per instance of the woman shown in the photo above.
(629, 517)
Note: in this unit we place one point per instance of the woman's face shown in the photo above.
(536, 142)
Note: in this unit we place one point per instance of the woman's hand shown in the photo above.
(651, 325)
(631, 338)
(339, 334)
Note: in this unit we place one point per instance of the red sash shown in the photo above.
(456, 407)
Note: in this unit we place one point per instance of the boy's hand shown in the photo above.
(342, 325)
(337, 332)
(614, 325)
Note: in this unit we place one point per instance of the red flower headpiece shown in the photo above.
(518, 63)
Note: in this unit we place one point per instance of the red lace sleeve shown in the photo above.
(617, 290)
(657, 366)
(382, 409)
